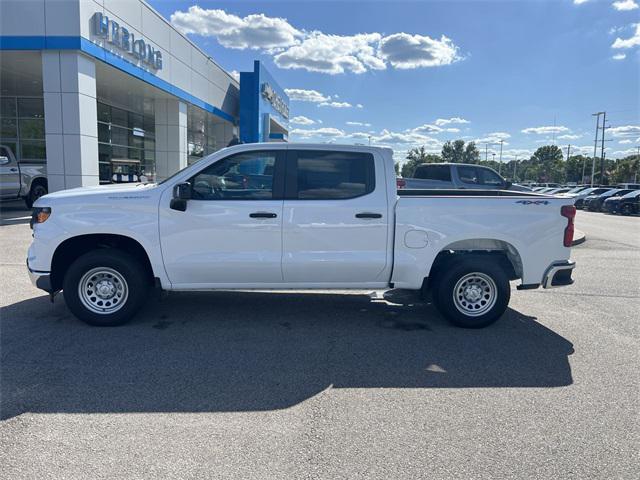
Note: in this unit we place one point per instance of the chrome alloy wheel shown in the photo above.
(103, 290)
(475, 294)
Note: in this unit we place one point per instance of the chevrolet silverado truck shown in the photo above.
(296, 216)
(23, 179)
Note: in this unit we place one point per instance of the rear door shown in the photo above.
(335, 224)
(9, 174)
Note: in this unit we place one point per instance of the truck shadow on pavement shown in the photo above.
(243, 351)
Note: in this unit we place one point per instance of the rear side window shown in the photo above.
(333, 175)
(441, 173)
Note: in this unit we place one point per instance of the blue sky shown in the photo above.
(420, 73)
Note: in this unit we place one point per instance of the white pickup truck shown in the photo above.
(296, 216)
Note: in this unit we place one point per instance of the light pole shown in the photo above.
(515, 164)
(595, 146)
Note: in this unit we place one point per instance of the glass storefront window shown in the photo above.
(30, 108)
(22, 128)
(126, 144)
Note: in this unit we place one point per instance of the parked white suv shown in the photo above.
(287, 216)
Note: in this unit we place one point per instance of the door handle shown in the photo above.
(263, 215)
(368, 215)
(13, 169)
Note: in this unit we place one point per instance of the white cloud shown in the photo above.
(619, 56)
(318, 132)
(302, 120)
(625, 142)
(317, 51)
(358, 124)
(359, 105)
(333, 54)
(579, 2)
(624, 131)
(494, 137)
(253, 31)
(429, 128)
(404, 51)
(302, 95)
(446, 121)
(335, 104)
(546, 130)
(625, 5)
(632, 41)
(235, 74)
(569, 137)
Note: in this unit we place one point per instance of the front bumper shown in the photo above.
(558, 274)
(41, 280)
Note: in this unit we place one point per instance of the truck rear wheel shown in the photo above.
(472, 292)
(105, 287)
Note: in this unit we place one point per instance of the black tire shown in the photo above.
(37, 191)
(136, 284)
(466, 266)
(626, 210)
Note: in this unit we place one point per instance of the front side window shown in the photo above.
(489, 177)
(468, 175)
(334, 175)
(245, 176)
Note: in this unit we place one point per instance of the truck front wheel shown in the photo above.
(105, 287)
(37, 190)
(472, 292)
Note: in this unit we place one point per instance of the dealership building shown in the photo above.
(108, 90)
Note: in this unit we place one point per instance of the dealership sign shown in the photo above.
(276, 100)
(126, 41)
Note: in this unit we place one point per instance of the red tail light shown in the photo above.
(400, 183)
(568, 211)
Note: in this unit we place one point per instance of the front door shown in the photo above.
(231, 232)
(9, 174)
(336, 223)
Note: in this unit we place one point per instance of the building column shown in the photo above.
(71, 119)
(171, 137)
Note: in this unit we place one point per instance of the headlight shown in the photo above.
(39, 215)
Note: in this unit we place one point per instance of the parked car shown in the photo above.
(332, 219)
(558, 191)
(593, 203)
(458, 175)
(577, 189)
(578, 199)
(629, 203)
(24, 180)
(634, 186)
(612, 204)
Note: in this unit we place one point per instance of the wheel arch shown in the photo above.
(504, 253)
(72, 248)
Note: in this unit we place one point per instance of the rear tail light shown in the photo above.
(568, 211)
(400, 183)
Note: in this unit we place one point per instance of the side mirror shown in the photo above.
(507, 184)
(181, 193)
(4, 160)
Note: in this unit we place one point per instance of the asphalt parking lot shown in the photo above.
(319, 385)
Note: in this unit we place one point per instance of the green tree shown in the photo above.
(458, 152)
(547, 165)
(415, 157)
(471, 153)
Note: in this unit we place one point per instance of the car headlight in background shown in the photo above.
(39, 215)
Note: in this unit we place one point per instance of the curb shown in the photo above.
(578, 238)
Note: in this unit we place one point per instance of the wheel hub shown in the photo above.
(103, 290)
(475, 294)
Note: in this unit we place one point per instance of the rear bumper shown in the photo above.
(559, 274)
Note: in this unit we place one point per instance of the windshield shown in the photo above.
(576, 190)
(611, 192)
(633, 194)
